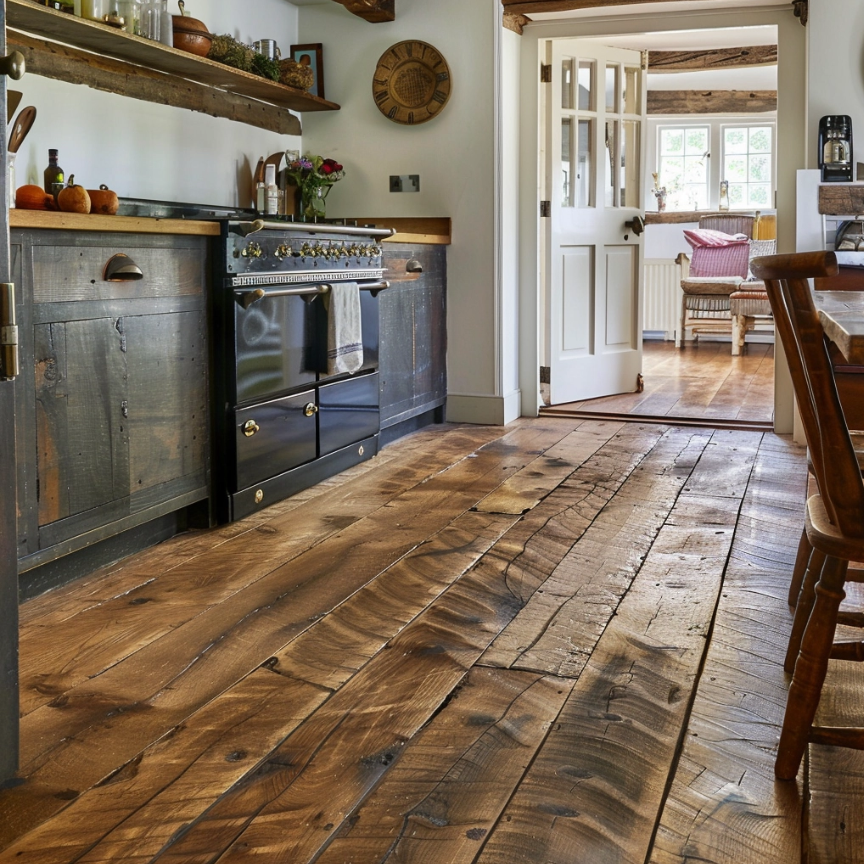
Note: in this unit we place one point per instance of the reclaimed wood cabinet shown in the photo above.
(413, 338)
(113, 395)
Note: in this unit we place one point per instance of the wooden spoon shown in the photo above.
(21, 128)
(13, 100)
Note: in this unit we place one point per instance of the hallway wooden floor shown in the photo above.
(701, 381)
(558, 642)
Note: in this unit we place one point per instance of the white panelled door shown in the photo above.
(596, 122)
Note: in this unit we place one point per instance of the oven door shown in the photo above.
(275, 344)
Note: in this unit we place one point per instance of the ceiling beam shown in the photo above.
(375, 11)
(712, 58)
(711, 101)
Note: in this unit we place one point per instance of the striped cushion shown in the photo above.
(721, 260)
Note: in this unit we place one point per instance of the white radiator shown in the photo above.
(662, 296)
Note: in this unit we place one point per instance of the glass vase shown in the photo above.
(312, 204)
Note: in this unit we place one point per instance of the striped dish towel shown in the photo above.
(344, 330)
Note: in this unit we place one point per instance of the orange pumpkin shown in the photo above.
(32, 197)
(72, 198)
(103, 201)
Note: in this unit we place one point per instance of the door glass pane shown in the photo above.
(584, 166)
(567, 162)
(612, 88)
(629, 168)
(587, 102)
(632, 97)
(567, 83)
(610, 157)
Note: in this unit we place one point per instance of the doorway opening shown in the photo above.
(711, 126)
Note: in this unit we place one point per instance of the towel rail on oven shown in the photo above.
(307, 292)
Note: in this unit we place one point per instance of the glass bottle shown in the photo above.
(96, 10)
(130, 10)
(54, 177)
(271, 205)
(724, 194)
(151, 19)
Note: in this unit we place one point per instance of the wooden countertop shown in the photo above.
(126, 224)
(432, 230)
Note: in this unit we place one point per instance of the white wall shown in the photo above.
(454, 154)
(835, 67)
(144, 150)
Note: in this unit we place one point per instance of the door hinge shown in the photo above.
(545, 73)
(545, 209)
(8, 333)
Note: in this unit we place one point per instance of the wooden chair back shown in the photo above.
(733, 223)
(835, 465)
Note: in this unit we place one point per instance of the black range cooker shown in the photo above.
(281, 422)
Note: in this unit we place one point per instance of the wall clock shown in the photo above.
(411, 83)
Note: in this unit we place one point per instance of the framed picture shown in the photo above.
(310, 55)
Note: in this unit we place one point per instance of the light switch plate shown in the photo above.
(404, 182)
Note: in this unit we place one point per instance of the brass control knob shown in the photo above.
(282, 251)
(343, 251)
(311, 409)
(375, 251)
(354, 251)
(305, 250)
(318, 251)
(253, 250)
(250, 427)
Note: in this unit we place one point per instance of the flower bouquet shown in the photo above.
(314, 176)
(659, 193)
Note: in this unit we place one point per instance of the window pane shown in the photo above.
(695, 170)
(632, 99)
(671, 141)
(567, 83)
(737, 195)
(630, 163)
(697, 140)
(584, 166)
(760, 139)
(735, 141)
(566, 158)
(760, 195)
(612, 88)
(760, 169)
(735, 169)
(587, 102)
(610, 157)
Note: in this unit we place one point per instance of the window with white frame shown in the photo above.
(683, 166)
(748, 165)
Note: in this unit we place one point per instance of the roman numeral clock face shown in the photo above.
(411, 83)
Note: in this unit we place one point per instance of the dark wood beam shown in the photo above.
(716, 58)
(63, 63)
(375, 11)
(515, 22)
(711, 101)
(527, 7)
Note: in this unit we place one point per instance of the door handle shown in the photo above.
(8, 333)
(636, 225)
(13, 65)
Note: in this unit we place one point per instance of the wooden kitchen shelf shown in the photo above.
(28, 17)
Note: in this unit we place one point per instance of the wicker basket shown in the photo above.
(297, 75)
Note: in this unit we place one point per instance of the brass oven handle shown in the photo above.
(8, 333)
(250, 427)
(311, 409)
(246, 297)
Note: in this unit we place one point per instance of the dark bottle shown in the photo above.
(54, 177)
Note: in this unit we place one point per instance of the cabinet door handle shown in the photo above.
(311, 409)
(250, 427)
(8, 333)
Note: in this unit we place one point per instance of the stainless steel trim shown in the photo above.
(244, 229)
(247, 298)
(249, 280)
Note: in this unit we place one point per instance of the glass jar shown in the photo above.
(152, 12)
(95, 10)
(130, 11)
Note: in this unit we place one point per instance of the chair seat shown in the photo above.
(711, 284)
(751, 301)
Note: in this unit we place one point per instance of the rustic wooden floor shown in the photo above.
(701, 381)
(555, 642)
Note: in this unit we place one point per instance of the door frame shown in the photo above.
(791, 129)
